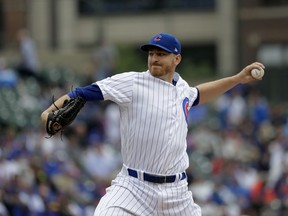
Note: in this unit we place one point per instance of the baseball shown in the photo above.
(257, 74)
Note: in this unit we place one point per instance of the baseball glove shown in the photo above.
(59, 119)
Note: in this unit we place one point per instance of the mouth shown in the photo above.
(157, 66)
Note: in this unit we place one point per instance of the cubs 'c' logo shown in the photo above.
(185, 106)
(158, 37)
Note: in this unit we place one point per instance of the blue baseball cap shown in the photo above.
(164, 41)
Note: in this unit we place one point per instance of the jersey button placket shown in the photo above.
(175, 101)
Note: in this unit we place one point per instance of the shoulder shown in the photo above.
(183, 85)
(126, 75)
(125, 79)
(180, 81)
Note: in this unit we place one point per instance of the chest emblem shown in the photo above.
(185, 106)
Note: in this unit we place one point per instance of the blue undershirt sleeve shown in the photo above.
(89, 93)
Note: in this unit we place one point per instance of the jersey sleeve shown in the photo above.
(118, 88)
(89, 93)
(194, 96)
(197, 99)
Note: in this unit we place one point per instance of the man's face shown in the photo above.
(161, 63)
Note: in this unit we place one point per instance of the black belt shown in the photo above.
(156, 178)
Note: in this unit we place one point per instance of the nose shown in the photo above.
(153, 58)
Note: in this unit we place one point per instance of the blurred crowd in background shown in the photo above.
(238, 149)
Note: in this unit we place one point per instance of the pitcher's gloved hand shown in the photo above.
(60, 118)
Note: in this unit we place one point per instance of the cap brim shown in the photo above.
(148, 47)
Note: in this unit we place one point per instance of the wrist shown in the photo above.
(235, 79)
(44, 117)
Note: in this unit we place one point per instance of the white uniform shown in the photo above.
(153, 136)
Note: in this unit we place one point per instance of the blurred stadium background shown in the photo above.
(237, 144)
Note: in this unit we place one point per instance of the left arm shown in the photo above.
(87, 93)
(210, 90)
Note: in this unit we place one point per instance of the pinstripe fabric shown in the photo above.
(153, 124)
(128, 196)
(153, 139)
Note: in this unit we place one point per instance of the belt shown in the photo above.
(156, 178)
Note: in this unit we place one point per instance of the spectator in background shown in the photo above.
(112, 124)
(3, 209)
(29, 63)
(104, 60)
(258, 108)
(237, 107)
(8, 76)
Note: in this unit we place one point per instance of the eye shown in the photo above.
(161, 54)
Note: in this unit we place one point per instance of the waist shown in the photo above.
(153, 178)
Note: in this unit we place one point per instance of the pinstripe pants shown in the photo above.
(129, 196)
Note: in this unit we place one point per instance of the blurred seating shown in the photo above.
(237, 167)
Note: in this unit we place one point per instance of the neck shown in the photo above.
(167, 77)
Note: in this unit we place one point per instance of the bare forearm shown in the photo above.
(210, 90)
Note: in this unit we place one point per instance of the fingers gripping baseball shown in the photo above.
(257, 72)
(254, 71)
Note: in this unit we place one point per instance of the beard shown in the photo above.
(160, 70)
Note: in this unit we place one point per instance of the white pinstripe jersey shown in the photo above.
(153, 120)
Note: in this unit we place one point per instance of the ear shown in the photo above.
(178, 59)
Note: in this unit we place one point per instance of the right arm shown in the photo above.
(213, 89)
